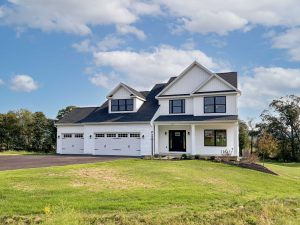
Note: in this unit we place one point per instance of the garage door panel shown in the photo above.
(117, 144)
(73, 143)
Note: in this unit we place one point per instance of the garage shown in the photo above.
(125, 143)
(72, 143)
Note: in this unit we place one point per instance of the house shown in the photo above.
(194, 113)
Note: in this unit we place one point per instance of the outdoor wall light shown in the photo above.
(166, 133)
(58, 137)
(188, 133)
(143, 136)
(90, 136)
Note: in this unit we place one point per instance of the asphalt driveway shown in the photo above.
(12, 162)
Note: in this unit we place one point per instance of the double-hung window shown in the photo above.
(121, 105)
(215, 138)
(215, 104)
(177, 106)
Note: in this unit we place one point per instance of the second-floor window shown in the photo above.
(121, 105)
(215, 104)
(177, 106)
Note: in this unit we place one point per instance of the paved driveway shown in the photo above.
(12, 162)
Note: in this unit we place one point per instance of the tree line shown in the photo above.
(277, 135)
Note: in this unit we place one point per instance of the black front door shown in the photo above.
(177, 141)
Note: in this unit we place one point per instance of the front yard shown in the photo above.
(136, 191)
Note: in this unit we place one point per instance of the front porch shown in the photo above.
(204, 139)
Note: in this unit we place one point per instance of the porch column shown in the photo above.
(156, 139)
(193, 137)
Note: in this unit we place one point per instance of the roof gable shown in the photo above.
(123, 90)
(187, 81)
(213, 84)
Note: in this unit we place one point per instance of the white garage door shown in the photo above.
(127, 144)
(72, 143)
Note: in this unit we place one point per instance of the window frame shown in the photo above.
(215, 131)
(128, 107)
(214, 104)
(171, 106)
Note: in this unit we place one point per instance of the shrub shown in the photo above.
(197, 157)
(252, 158)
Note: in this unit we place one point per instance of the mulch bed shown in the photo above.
(252, 166)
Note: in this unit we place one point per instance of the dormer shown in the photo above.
(124, 99)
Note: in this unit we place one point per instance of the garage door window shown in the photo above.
(78, 135)
(111, 135)
(99, 135)
(133, 135)
(122, 135)
(67, 135)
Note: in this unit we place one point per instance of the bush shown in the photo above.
(197, 157)
(252, 158)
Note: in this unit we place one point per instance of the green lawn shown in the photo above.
(139, 191)
(14, 152)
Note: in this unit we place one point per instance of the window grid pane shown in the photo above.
(216, 104)
(177, 106)
(215, 138)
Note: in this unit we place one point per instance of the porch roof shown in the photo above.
(192, 118)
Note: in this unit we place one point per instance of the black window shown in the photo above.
(215, 138)
(177, 106)
(216, 104)
(121, 105)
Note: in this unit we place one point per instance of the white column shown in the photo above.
(156, 139)
(193, 136)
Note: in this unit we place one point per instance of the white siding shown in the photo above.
(214, 85)
(121, 93)
(164, 106)
(188, 82)
(137, 103)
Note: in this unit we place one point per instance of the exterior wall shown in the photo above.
(90, 130)
(188, 82)
(214, 85)
(164, 106)
(137, 104)
(231, 105)
(162, 147)
(121, 93)
(232, 140)
(163, 142)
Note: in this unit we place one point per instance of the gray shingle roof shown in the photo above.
(192, 118)
(100, 114)
(230, 77)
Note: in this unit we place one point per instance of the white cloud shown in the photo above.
(23, 83)
(109, 42)
(84, 46)
(104, 80)
(1, 82)
(290, 41)
(221, 17)
(127, 29)
(145, 68)
(266, 84)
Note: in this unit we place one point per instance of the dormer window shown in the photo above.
(121, 105)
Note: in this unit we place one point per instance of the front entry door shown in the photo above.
(177, 141)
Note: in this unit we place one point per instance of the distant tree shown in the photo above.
(267, 145)
(39, 130)
(243, 135)
(61, 113)
(252, 133)
(10, 131)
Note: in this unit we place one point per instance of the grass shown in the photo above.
(139, 191)
(23, 152)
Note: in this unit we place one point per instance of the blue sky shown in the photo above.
(60, 53)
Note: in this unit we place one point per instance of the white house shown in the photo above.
(194, 113)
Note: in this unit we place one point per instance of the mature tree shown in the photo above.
(61, 113)
(39, 130)
(252, 133)
(243, 135)
(282, 120)
(267, 145)
(10, 130)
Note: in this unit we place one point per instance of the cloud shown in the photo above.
(107, 81)
(142, 69)
(221, 17)
(127, 29)
(1, 82)
(84, 46)
(109, 42)
(265, 84)
(288, 40)
(23, 83)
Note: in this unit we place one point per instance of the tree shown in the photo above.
(39, 130)
(267, 145)
(243, 135)
(252, 133)
(61, 113)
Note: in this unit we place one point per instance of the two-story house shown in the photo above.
(194, 113)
